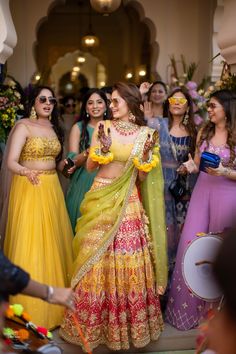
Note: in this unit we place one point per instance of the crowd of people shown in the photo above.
(107, 201)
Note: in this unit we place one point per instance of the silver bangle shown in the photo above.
(50, 292)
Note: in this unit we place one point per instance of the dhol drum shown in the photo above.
(34, 344)
(197, 267)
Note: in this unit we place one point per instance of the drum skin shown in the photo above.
(197, 267)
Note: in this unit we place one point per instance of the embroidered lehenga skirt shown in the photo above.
(116, 300)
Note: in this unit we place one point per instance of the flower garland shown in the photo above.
(12, 336)
(97, 155)
(146, 166)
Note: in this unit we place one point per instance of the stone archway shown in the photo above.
(137, 48)
(89, 69)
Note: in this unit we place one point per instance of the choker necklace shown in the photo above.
(125, 128)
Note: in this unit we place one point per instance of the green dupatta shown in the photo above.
(152, 190)
(102, 212)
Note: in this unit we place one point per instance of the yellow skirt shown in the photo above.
(39, 239)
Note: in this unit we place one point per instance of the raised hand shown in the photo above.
(147, 109)
(105, 140)
(144, 87)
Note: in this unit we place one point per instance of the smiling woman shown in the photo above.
(212, 206)
(94, 109)
(38, 233)
(116, 281)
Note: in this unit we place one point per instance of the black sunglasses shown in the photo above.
(67, 105)
(51, 100)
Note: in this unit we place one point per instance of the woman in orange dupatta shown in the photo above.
(120, 267)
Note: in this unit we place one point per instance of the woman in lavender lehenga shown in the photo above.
(213, 203)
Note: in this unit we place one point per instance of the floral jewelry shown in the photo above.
(186, 117)
(132, 118)
(146, 166)
(102, 158)
(125, 128)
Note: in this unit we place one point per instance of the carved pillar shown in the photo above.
(227, 34)
(217, 62)
(8, 36)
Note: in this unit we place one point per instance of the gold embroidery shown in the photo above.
(40, 148)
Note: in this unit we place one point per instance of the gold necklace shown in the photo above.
(125, 128)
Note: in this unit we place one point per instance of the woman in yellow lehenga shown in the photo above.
(38, 234)
(116, 286)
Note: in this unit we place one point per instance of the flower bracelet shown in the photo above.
(102, 158)
(146, 166)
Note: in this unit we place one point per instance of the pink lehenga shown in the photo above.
(211, 210)
(114, 280)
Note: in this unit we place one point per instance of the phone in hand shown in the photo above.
(70, 163)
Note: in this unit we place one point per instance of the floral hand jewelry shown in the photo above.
(102, 158)
(153, 160)
(102, 154)
(146, 166)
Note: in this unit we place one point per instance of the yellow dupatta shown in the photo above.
(104, 207)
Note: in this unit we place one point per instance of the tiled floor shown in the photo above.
(170, 342)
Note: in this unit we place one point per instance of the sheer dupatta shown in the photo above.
(152, 190)
(102, 212)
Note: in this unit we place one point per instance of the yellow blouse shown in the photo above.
(40, 148)
(121, 151)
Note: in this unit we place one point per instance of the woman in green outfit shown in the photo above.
(94, 108)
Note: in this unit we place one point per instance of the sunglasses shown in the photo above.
(176, 100)
(67, 105)
(212, 105)
(114, 101)
(44, 99)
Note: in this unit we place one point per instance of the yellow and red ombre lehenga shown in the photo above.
(114, 280)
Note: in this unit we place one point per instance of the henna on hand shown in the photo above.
(105, 140)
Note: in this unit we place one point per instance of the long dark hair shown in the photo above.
(190, 127)
(227, 99)
(54, 115)
(84, 118)
(132, 96)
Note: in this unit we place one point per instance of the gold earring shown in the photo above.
(33, 114)
(49, 117)
(186, 117)
(132, 117)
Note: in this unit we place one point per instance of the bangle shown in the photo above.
(97, 155)
(50, 292)
(146, 166)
